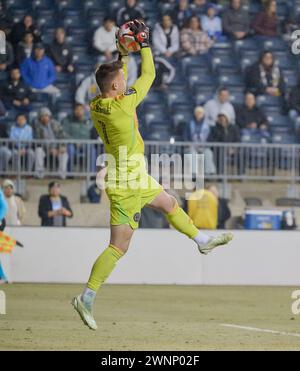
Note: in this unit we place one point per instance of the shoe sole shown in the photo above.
(75, 305)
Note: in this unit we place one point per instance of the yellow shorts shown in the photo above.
(126, 204)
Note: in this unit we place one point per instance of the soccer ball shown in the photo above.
(126, 38)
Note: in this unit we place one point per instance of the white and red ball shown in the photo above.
(126, 38)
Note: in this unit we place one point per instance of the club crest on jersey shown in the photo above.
(130, 91)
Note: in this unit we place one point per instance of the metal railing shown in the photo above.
(223, 161)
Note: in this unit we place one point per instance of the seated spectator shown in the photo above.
(182, 13)
(165, 73)
(211, 23)
(54, 208)
(224, 131)
(60, 52)
(87, 90)
(265, 77)
(21, 135)
(16, 94)
(249, 114)
(236, 21)
(24, 48)
(203, 208)
(129, 12)
(16, 208)
(265, 23)
(47, 128)
(7, 58)
(38, 72)
(104, 39)
(294, 101)
(221, 102)
(193, 40)
(197, 131)
(78, 126)
(166, 37)
(19, 29)
(199, 7)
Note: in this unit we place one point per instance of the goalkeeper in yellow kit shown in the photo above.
(128, 185)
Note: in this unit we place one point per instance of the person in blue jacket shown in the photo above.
(39, 73)
(3, 210)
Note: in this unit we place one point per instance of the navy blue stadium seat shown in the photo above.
(197, 61)
(155, 97)
(268, 100)
(231, 80)
(178, 97)
(279, 120)
(42, 4)
(203, 79)
(224, 61)
(246, 44)
(18, 4)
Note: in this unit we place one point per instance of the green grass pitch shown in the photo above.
(40, 317)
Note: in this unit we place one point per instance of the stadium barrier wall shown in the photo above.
(155, 257)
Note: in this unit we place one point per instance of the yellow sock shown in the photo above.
(179, 219)
(103, 267)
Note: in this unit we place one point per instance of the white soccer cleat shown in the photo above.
(221, 240)
(85, 314)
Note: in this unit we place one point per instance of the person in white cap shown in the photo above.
(16, 208)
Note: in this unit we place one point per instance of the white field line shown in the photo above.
(254, 329)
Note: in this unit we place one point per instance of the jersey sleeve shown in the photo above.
(134, 95)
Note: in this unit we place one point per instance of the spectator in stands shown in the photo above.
(165, 73)
(104, 39)
(7, 59)
(249, 114)
(17, 95)
(221, 102)
(194, 40)
(38, 72)
(24, 48)
(60, 52)
(5, 152)
(166, 37)
(87, 90)
(2, 109)
(47, 128)
(129, 12)
(197, 131)
(20, 28)
(266, 23)
(203, 208)
(236, 21)
(265, 77)
(199, 7)
(294, 101)
(211, 23)
(182, 13)
(16, 208)
(78, 126)
(5, 19)
(54, 208)
(224, 131)
(21, 135)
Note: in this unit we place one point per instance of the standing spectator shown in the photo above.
(194, 41)
(38, 72)
(265, 24)
(17, 94)
(249, 114)
(24, 48)
(47, 128)
(129, 12)
(265, 77)
(294, 101)
(199, 7)
(182, 13)
(54, 208)
(211, 23)
(236, 21)
(87, 90)
(78, 126)
(21, 135)
(166, 37)
(60, 52)
(20, 28)
(104, 39)
(221, 102)
(165, 73)
(7, 59)
(16, 208)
